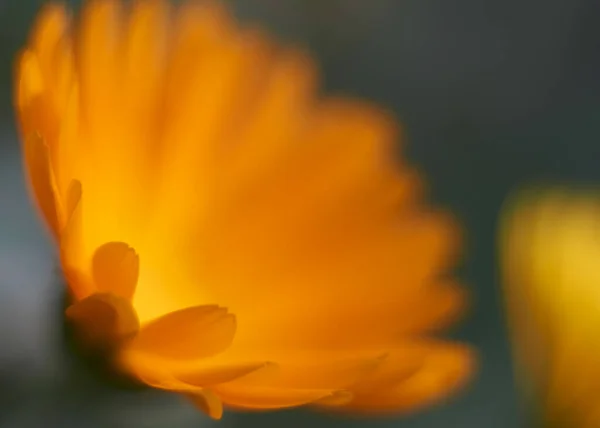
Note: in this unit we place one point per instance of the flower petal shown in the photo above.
(116, 268)
(145, 56)
(337, 372)
(208, 402)
(268, 398)
(444, 369)
(187, 334)
(50, 28)
(103, 320)
(98, 61)
(41, 179)
(337, 399)
(439, 305)
(30, 87)
(71, 250)
(213, 375)
(153, 371)
(280, 113)
(70, 156)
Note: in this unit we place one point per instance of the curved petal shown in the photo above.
(337, 372)
(213, 375)
(103, 320)
(188, 334)
(208, 402)
(98, 64)
(337, 399)
(71, 245)
(268, 398)
(155, 372)
(30, 87)
(436, 307)
(41, 179)
(50, 28)
(115, 268)
(70, 155)
(444, 369)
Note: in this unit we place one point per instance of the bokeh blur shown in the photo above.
(492, 94)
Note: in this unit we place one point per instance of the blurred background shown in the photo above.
(492, 93)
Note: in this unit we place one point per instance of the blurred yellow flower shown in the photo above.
(550, 250)
(225, 232)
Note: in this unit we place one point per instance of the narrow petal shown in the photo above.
(325, 373)
(439, 306)
(153, 371)
(337, 399)
(268, 398)
(41, 179)
(35, 106)
(52, 23)
(103, 320)
(98, 61)
(61, 75)
(70, 154)
(115, 267)
(275, 122)
(50, 42)
(213, 375)
(146, 49)
(73, 259)
(443, 371)
(187, 334)
(202, 115)
(134, 152)
(208, 402)
(29, 96)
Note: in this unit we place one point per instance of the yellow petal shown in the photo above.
(337, 399)
(103, 320)
(30, 82)
(208, 402)
(34, 108)
(70, 158)
(72, 256)
(274, 123)
(187, 334)
(438, 306)
(198, 122)
(41, 179)
(267, 398)
(51, 25)
(48, 37)
(116, 267)
(324, 372)
(153, 371)
(213, 375)
(444, 369)
(145, 66)
(98, 59)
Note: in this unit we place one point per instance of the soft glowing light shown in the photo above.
(550, 253)
(186, 165)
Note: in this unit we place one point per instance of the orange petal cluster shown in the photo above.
(231, 234)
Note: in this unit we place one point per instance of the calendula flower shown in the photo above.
(225, 232)
(550, 252)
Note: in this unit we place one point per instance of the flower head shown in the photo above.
(550, 253)
(224, 231)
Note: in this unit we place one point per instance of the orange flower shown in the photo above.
(185, 166)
